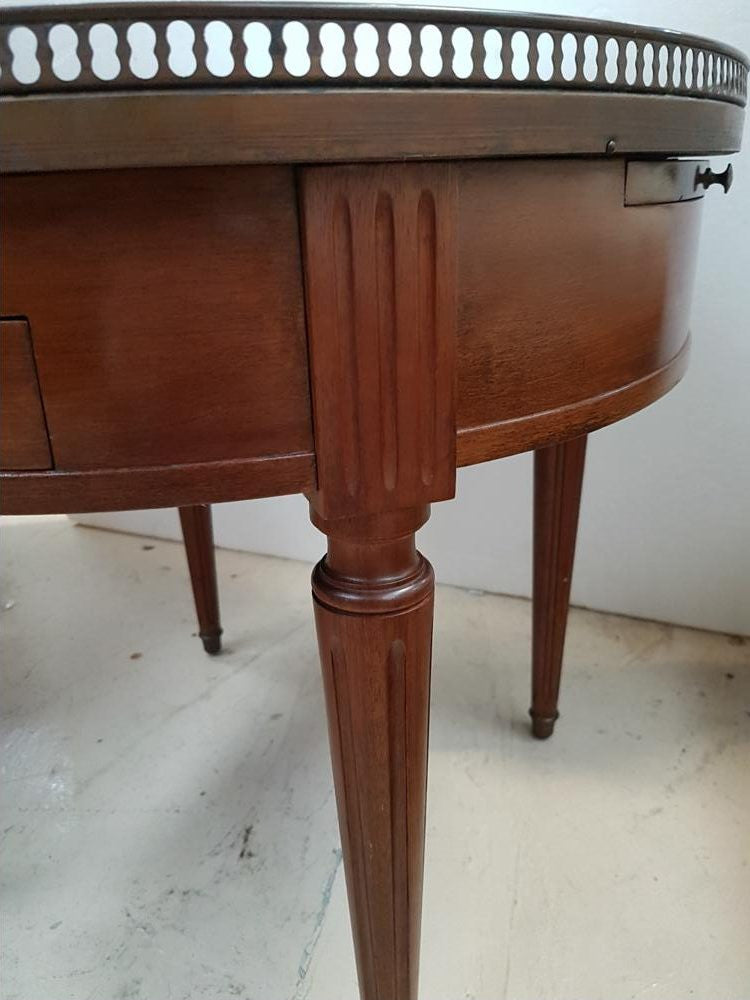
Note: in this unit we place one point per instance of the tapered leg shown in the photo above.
(373, 596)
(198, 534)
(380, 282)
(558, 477)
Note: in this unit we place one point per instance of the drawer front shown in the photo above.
(23, 433)
(167, 312)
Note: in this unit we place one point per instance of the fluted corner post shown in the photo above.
(380, 276)
(198, 535)
(558, 480)
(373, 596)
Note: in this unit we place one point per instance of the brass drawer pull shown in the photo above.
(707, 177)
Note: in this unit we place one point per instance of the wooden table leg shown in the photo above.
(558, 477)
(373, 595)
(380, 283)
(198, 534)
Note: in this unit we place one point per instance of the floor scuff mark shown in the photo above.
(309, 949)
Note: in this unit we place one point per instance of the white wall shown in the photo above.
(665, 526)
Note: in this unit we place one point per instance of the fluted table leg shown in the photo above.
(373, 597)
(380, 282)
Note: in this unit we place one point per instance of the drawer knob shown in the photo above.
(707, 177)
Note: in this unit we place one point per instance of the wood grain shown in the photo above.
(198, 535)
(373, 610)
(315, 125)
(23, 432)
(167, 311)
(160, 486)
(558, 479)
(380, 276)
(509, 437)
(566, 297)
(380, 271)
(454, 312)
(608, 336)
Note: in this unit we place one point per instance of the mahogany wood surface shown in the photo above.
(104, 131)
(558, 478)
(166, 309)
(380, 277)
(198, 534)
(380, 269)
(373, 611)
(353, 332)
(203, 395)
(23, 432)
(155, 486)
(568, 301)
(245, 290)
(495, 440)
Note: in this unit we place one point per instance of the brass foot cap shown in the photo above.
(542, 726)
(211, 642)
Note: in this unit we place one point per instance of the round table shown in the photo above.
(260, 249)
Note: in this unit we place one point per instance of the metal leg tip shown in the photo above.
(212, 642)
(542, 726)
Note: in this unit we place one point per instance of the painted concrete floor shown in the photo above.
(169, 824)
